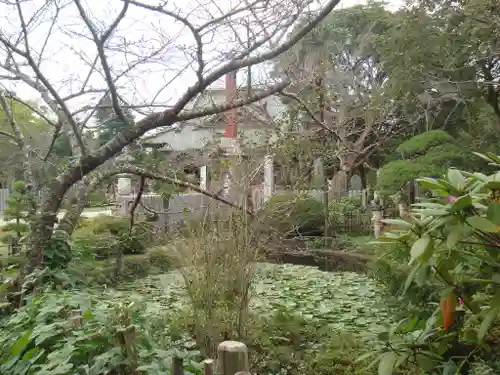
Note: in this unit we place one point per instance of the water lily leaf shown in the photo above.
(482, 224)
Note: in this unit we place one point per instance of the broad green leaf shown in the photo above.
(456, 178)
(492, 185)
(420, 247)
(428, 205)
(411, 277)
(493, 213)
(449, 187)
(431, 212)
(398, 222)
(476, 175)
(424, 362)
(429, 183)
(495, 158)
(462, 202)
(449, 368)
(482, 224)
(386, 364)
(21, 343)
(423, 275)
(486, 323)
(454, 235)
(482, 156)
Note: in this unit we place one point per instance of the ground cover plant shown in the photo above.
(288, 302)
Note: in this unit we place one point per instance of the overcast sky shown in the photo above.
(66, 63)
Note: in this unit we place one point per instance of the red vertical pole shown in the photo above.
(231, 128)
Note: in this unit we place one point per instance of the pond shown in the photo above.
(342, 300)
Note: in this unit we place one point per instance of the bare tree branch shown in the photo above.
(184, 116)
(57, 104)
(153, 176)
(100, 42)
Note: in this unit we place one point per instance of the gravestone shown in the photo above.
(124, 185)
(355, 183)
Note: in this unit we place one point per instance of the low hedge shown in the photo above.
(293, 212)
(102, 235)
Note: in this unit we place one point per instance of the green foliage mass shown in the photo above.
(426, 154)
(103, 234)
(451, 242)
(303, 321)
(292, 212)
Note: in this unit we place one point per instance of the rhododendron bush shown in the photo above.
(454, 242)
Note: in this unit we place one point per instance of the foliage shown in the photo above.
(36, 132)
(109, 124)
(161, 258)
(18, 202)
(293, 212)
(217, 266)
(287, 343)
(40, 339)
(97, 198)
(422, 143)
(135, 266)
(340, 211)
(426, 154)
(391, 270)
(104, 233)
(453, 242)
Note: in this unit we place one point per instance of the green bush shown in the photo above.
(345, 206)
(161, 258)
(290, 211)
(97, 198)
(135, 266)
(391, 269)
(14, 227)
(103, 234)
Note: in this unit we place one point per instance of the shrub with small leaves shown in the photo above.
(294, 213)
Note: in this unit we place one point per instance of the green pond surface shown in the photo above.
(341, 300)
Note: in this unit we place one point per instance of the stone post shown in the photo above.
(268, 177)
(378, 215)
(204, 177)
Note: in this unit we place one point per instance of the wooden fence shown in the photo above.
(356, 222)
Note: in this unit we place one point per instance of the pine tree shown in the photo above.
(108, 122)
(17, 205)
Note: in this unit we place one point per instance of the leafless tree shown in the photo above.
(73, 53)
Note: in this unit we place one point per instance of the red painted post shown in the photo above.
(231, 128)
